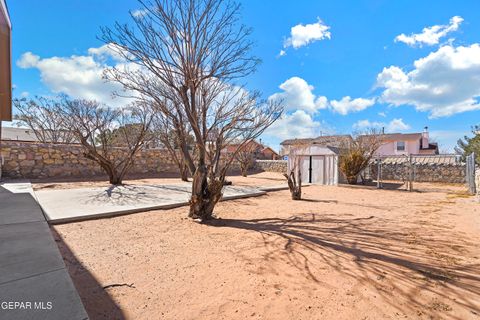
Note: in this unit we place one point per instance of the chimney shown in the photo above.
(425, 138)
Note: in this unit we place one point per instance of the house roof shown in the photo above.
(333, 141)
(26, 134)
(289, 142)
(268, 148)
(401, 136)
(21, 134)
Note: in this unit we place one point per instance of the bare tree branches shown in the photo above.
(110, 137)
(187, 55)
(42, 117)
(246, 156)
(355, 154)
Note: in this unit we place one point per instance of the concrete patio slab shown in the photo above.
(277, 187)
(70, 205)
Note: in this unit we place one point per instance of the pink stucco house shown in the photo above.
(407, 144)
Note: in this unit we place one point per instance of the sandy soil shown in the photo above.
(342, 253)
(254, 179)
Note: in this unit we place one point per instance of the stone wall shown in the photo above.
(271, 165)
(448, 173)
(38, 160)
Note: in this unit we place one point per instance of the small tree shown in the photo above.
(246, 156)
(42, 117)
(164, 131)
(188, 54)
(294, 174)
(110, 137)
(467, 145)
(356, 154)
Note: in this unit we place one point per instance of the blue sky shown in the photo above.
(345, 65)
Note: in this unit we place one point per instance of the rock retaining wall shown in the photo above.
(41, 160)
(271, 165)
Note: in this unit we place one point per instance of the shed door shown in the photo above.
(305, 168)
(318, 169)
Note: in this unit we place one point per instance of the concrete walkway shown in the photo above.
(70, 205)
(32, 271)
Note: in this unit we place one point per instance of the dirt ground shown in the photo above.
(341, 253)
(254, 179)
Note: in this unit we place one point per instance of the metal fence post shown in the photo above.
(379, 173)
(410, 178)
(470, 172)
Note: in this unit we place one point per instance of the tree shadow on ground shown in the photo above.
(96, 300)
(397, 262)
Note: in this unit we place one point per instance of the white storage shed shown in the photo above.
(317, 164)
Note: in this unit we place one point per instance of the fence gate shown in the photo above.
(470, 172)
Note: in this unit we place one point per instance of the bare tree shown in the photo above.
(164, 131)
(187, 56)
(356, 154)
(110, 137)
(294, 174)
(246, 156)
(42, 117)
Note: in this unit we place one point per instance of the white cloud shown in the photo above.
(28, 60)
(77, 76)
(430, 35)
(282, 53)
(382, 114)
(297, 94)
(24, 94)
(443, 83)
(347, 105)
(301, 35)
(105, 52)
(139, 13)
(299, 124)
(395, 125)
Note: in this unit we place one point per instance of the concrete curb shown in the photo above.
(141, 209)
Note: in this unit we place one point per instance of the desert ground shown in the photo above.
(341, 253)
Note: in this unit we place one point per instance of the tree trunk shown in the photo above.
(295, 189)
(183, 172)
(244, 170)
(114, 177)
(352, 179)
(205, 195)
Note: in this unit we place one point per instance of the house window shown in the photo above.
(400, 145)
